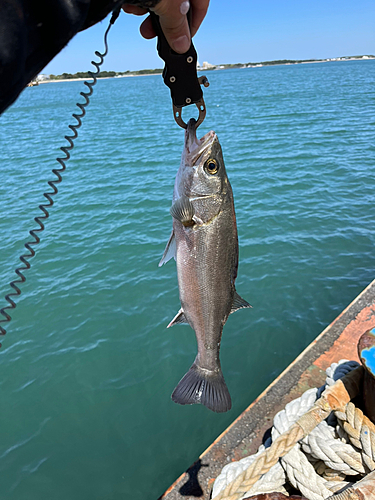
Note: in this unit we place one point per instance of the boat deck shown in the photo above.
(244, 436)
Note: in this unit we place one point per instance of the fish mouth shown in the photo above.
(195, 147)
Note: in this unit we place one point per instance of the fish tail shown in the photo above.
(205, 387)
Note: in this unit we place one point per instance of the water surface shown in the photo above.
(88, 366)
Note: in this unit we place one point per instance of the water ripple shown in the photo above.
(88, 342)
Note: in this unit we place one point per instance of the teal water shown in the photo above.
(88, 366)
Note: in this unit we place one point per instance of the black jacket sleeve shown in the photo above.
(32, 32)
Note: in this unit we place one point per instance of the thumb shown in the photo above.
(173, 22)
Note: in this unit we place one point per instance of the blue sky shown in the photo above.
(238, 31)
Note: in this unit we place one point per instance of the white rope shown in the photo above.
(274, 480)
(339, 457)
(357, 430)
(323, 443)
(338, 370)
(302, 476)
(299, 470)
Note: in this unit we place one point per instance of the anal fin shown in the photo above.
(178, 319)
(238, 303)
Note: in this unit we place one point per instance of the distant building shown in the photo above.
(42, 78)
(206, 65)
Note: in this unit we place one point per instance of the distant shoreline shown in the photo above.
(56, 80)
(211, 67)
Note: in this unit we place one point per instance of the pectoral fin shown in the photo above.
(178, 319)
(183, 211)
(170, 250)
(238, 303)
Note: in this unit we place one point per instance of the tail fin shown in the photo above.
(205, 387)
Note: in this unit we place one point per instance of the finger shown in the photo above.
(199, 10)
(173, 21)
(134, 9)
(146, 29)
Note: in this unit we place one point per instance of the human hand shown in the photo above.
(173, 21)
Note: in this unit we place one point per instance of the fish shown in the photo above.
(204, 243)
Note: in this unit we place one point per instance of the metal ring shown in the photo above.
(177, 113)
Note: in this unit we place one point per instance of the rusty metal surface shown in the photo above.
(243, 437)
(365, 488)
(273, 496)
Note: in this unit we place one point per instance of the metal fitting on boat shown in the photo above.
(366, 353)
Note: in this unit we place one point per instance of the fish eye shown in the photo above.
(211, 166)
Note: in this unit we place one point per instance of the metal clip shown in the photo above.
(180, 75)
(177, 110)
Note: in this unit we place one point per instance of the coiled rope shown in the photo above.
(313, 455)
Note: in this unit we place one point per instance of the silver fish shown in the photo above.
(204, 244)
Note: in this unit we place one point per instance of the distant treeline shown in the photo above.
(267, 63)
(104, 74)
(284, 61)
(111, 74)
